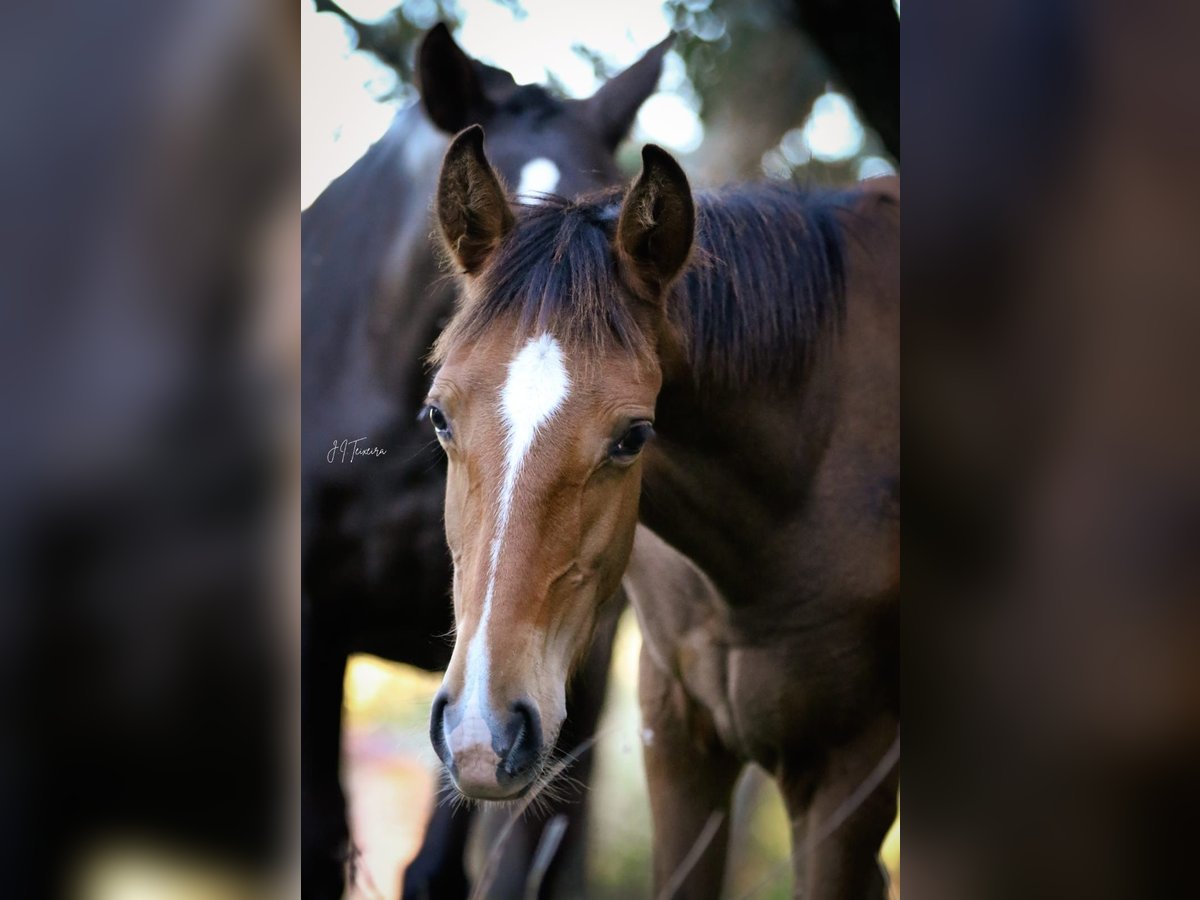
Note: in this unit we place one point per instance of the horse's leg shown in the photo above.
(325, 836)
(690, 776)
(438, 871)
(840, 820)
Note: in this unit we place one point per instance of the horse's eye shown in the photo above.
(438, 418)
(632, 442)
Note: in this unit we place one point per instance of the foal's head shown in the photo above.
(543, 401)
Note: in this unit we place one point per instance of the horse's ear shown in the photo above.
(612, 108)
(657, 222)
(472, 209)
(450, 88)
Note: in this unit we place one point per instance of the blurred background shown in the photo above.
(1051, 449)
(748, 91)
(149, 363)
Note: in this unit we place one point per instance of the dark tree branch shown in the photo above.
(384, 40)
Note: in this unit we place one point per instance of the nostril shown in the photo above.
(437, 734)
(523, 738)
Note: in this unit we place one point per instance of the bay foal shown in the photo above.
(768, 368)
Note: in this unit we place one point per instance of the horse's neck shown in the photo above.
(754, 483)
(729, 473)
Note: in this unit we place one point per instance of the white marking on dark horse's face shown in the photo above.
(536, 387)
(538, 176)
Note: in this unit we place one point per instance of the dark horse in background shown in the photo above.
(376, 572)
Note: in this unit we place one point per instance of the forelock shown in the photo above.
(554, 273)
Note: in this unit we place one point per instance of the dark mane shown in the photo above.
(766, 276)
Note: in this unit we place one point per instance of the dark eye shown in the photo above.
(438, 418)
(632, 442)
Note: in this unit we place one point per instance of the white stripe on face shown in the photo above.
(538, 176)
(535, 389)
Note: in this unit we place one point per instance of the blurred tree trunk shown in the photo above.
(779, 60)
(769, 82)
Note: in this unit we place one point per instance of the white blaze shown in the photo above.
(536, 386)
(538, 176)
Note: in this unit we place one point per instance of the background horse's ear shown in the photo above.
(658, 221)
(472, 209)
(450, 88)
(613, 108)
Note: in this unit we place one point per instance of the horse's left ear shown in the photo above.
(472, 208)
(612, 108)
(657, 222)
(451, 91)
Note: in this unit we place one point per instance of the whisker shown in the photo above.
(858, 796)
(537, 789)
(703, 839)
(547, 847)
(422, 450)
(847, 807)
(358, 875)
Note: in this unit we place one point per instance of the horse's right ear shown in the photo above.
(472, 209)
(657, 222)
(450, 88)
(613, 108)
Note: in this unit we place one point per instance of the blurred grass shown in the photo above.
(389, 770)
